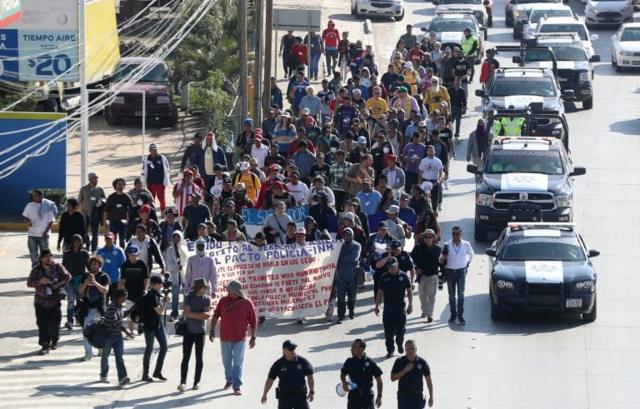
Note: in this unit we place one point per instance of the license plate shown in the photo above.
(138, 113)
(574, 303)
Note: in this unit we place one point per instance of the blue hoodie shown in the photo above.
(348, 261)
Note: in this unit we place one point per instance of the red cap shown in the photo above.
(392, 157)
(210, 136)
(187, 172)
(110, 235)
(309, 120)
(145, 209)
(279, 184)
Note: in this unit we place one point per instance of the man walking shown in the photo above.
(75, 261)
(426, 256)
(235, 312)
(113, 257)
(48, 278)
(458, 97)
(432, 171)
(134, 277)
(361, 371)
(154, 306)
(457, 255)
(156, 174)
(92, 199)
(117, 210)
(94, 289)
(71, 223)
(114, 326)
(409, 370)
(200, 266)
(345, 280)
(392, 288)
(291, 369)
(40, 214)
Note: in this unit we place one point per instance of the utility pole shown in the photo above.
(244, 60)
(268, 49)
(257, 73)
(84, 96)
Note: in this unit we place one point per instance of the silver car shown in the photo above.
(608, 12)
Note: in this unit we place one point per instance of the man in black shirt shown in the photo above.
(72, 222)
(409, 371)
(461, 68)
(134, 276)
(194, 214)
(292, 370)
(154, 306)
(75, 261)
(392, 288)
(361, 371)
(426, 256)
(405, 262)
(458, 103)
(117, 209)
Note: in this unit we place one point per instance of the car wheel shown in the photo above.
(497, 314)
(591, 316)
(587, 103)
(479, 233)
(112, 119)
(400, 17)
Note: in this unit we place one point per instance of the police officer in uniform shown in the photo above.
(404, 259)
(409, 371)
(361, 371)
(392, 288)
(292, 370)
(508, 126)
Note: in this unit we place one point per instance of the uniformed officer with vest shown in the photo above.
(409, 371)
(393, 286)
(469, 47)
(295, 373)
(506, 126)
(361, 371)
(405, 262)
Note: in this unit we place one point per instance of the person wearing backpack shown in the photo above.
(155, 305)
(197, 310)
(94, 288)
(134, 276)
(114, 327)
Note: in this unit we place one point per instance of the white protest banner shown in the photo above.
(282, 280)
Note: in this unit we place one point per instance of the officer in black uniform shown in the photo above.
(292, 370)
(405, 261)
(409, 370)
(361, 371)
(392, 288)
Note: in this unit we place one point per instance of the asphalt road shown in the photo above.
(529, 362)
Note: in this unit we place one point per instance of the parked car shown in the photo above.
(155, 84)
(608, 12)
(378, 8)
(625, 47)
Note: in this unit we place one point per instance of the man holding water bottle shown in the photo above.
(361, 371)
(456, 256)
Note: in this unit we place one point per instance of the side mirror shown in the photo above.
(593, 253)
(471, 168)
(578, 171)
(492, 252)
(480, 93)
(486, 3)
(568, 93)
(423, 29)
(595, 37)
(595, 58)
(516, 59)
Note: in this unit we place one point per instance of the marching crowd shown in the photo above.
(368, 141)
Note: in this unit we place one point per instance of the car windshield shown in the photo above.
(565, 28)
(448, 25)
(630, 34)
(524, 161)
(536, 15)
(157, 74)
(562, 53)
(542, 249)
(534, 1)
(460, 1)
(508, 86)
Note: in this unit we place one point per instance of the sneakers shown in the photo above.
(440, 207)
(53, 347)
(339, 321)
(452, 319)
(389, 355)
(300, 321)
(87, 357)
(446, 185)
(261, 319)
(146, 378)
(429, 319)
(182, 387)
(351, 315)
(227, 386)
(159, 376)
(103, 379)
(44, 351)
(461, 321)
(423, 315)
(195, 387)
(124, 381)
(237, 392)
(68, 326)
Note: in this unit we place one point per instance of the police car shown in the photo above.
(542, 267)
(469, 6)
(567, 25)
(523, 179)
(449, 29)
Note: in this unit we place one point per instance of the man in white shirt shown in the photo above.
(432, 170)
(298, 189)
(40, 214)
(259, 151)
(456, 256)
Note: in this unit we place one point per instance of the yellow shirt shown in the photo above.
(434, 99)
(378, 106)
(252, 182)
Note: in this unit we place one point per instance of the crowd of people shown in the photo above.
(366, 142)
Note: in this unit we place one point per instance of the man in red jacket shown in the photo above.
(299, 52)
(331, 38)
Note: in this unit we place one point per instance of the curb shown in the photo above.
(22, 227)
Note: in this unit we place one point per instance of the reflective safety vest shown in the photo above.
(509, 126)
(467, 44)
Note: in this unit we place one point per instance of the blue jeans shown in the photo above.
(36, 244)
(456, 281)
(116, 343)
(456, 113)
(72, 296)
(315, 62)
(175, 296)
(232, 359)
(92, 315)
(120, 229)
(349, 290)
(149, 335)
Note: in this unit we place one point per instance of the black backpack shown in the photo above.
(96, 333)
(137, 311)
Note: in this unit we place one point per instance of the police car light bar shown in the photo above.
(527, 139)
(519, 226)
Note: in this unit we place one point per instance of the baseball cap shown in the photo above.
(145, 209)
(393, 209)
(396, 244)
(153, 146)
(244, 166)
(108, 235)
(92, 176)
(187, 172)
(301, 230)
(362, 140)
(156, 279)
(428, 232)
(289, 345)
(133, 249)
(229, 203)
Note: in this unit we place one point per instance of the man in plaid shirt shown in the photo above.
(337, 172)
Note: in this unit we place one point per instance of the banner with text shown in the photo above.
(282, 280)
(255, 217)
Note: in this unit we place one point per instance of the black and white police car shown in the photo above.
(542, 267)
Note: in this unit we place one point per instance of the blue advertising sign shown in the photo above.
(255, 217)
(9, 55)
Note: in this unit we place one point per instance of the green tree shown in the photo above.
(209, 96)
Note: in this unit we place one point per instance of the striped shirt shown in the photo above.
(337, 172)
(184, 197)
(113, 319)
